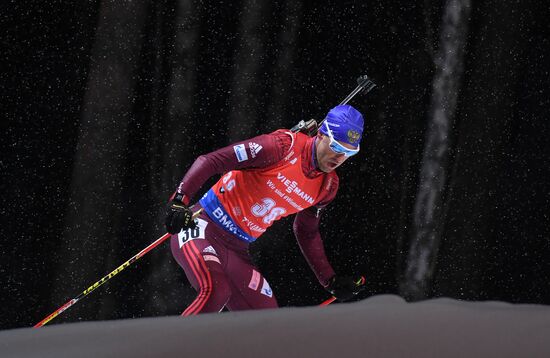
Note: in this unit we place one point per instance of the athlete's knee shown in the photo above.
(218, 287)
(213, 294)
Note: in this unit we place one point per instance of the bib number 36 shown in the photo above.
(267, 210)
(192, 234)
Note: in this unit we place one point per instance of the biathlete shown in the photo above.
(264, 179)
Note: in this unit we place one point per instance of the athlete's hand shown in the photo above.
(178, 216)
(345, 287)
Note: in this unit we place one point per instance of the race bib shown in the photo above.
(192, 234)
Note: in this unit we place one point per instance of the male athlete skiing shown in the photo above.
(265, 178)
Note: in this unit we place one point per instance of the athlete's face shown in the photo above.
(327, 158)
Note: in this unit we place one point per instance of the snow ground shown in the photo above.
(381, 326)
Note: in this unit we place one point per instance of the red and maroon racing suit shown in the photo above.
(265, 178)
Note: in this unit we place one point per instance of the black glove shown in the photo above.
(178, 216)
(345, 287)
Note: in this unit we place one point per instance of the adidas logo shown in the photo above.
(210, 250)
(254, 149)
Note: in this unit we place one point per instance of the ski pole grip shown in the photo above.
(196, 214)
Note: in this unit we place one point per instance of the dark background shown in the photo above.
(106, 104)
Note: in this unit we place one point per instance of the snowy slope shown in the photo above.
(382, 326)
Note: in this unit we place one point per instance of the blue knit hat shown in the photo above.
(345, 123)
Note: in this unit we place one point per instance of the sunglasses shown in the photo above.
(337, 147)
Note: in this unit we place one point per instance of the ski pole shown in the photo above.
(106, 278)
(359, 282)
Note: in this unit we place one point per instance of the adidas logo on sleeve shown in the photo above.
(254, 149)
